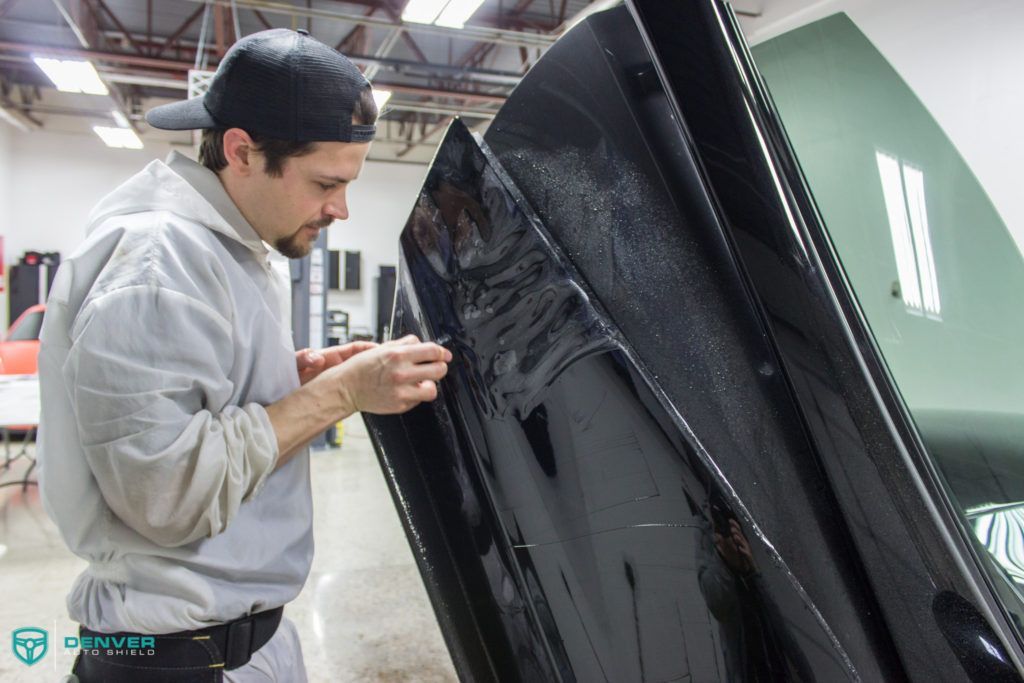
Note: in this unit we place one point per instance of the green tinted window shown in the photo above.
(937, 274)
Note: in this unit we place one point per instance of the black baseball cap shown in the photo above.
(280, 83)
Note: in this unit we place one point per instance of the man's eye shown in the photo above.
(325, 187)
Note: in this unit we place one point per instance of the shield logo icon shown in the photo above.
(29, 644)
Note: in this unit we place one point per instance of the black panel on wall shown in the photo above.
(334, 269)
(30, 281)
(385, 299)
(24, 286)
(352, 276)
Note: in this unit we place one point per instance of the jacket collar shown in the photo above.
(184, 188)
(208, 184)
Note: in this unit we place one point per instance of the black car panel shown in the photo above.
(652, 456)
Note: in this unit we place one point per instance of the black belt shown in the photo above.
(235, 640)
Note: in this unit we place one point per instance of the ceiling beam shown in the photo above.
(114, 93)
(467, 75)
(116, 57)
(444, 110)
(443, 123)
(472, 33)
(476, 56)
(396, 16)
(435, 92)
(263, 19)
(507, 78)
(357, 31)
(117, 22)
(180, 31)
(183, 67)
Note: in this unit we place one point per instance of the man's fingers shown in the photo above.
(308, 358)
(340, 354)
(426, 391)
(427, 352)
(352, 348)
(426, 371)
(407, 339)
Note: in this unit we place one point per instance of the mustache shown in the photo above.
(319, 224)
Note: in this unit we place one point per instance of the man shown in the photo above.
(175, 409)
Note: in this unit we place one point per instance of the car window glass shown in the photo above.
(929, 255)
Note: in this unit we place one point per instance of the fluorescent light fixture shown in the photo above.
(450, 13)
(118, 137)
(381, 97)
(423, 11)
(456, 13)
(120, 119)
(72, 75)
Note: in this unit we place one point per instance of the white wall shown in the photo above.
(5, 209)
(962, 58)
(56, 179)
(379, 203)
(50, 181)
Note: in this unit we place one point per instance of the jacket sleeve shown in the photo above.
(148, 375)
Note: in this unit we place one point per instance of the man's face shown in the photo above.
(289, 211)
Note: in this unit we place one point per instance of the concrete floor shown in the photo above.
(363, 615)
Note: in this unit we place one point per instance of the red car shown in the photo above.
(20, 348)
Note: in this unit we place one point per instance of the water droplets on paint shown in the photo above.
(504, 362)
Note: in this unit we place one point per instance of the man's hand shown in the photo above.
(735, 549)
(311, 362)
(393, 377)
(385, 379)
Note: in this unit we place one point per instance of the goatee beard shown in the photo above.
(293, 246)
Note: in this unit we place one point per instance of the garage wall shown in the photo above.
(53, 180)
(378, 204)
(5, 207)
(56, 179)
(962, 59)
(5, 151)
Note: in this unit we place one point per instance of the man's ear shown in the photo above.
(239, 151)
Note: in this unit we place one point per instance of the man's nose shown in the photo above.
(337, 210)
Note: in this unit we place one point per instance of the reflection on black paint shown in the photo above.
(591, 560)
(974, 641)
(535, 428)
(611, 486)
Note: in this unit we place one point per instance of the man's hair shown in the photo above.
(277, 152)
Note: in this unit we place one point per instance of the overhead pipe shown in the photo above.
(488, 75)
(473, 33)
(434, 92)
(58, 51)
(136, 60)
(438, 109)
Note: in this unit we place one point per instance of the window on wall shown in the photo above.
(903, 191)
(936, 271)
